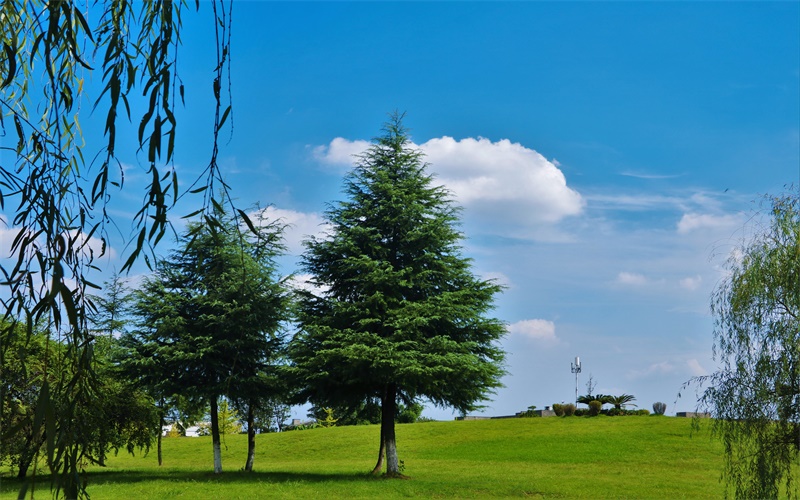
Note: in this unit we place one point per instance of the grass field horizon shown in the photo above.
(575, 457)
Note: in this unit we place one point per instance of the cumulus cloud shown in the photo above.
(536, 329)
(340, 152)
(481, 172)
(299, 226)
(631, 279)
(691, 283)
(513, 187)
(692, 222)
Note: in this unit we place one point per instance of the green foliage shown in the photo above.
(111, 417)
(328, 421)
(659, 408)
(558, 409)
(620, 401)
(59, 202)
(209, 320)
(569, 409)
(398, 314)
(530, 412)
(755, 396)
(108, 313)
(270, 415)
(408, 414)
(359, 413)
(594, 408)
(228, 418)
(588, 398)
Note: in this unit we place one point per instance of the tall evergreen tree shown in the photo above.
(109, 311)
(398, 314)
(211, 319)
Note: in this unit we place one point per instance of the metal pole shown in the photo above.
(576, 369)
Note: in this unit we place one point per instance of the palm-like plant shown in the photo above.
(620, 401)
(588, 398)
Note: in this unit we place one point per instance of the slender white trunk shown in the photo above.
(215, 436)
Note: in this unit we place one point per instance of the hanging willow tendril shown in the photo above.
(56, 203)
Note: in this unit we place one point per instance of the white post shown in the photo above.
(576, 369)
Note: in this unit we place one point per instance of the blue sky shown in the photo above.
(607, 155)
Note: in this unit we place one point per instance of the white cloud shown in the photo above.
(88, 246)
(512, 188)
(536, 329)
(695, 368)
(303, 282)
(340, 152)
(691, 283)
(693, 221)
(631, 279)
(692, 365)
(661, 368)
(300, 226)
(484, 173)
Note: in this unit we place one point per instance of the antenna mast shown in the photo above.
(576, 369)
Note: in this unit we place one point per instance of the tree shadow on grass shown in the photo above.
(98, 477)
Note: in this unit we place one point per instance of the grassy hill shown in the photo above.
(602, 457)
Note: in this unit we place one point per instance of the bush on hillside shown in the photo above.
(594, 408)
(642, 412)
(558, 409)
(569, 409)
(530, 412)
(580, 412)
(659, 408)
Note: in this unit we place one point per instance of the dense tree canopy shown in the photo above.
(112, 416)
(210, 320)
(755, 396)
(397, 314)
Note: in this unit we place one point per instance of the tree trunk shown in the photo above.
(29, 451)
(160, 431)
(381, 451)
(251, 438)
(388, 410)
(215, 436)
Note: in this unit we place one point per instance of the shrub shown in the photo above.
(581, 412)
(659, 408)
(569, 409)
(614, 412)
(643, 412)
(559, 409)
(594, 408)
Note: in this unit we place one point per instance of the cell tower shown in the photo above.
(576, 369)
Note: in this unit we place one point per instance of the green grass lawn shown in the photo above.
(603, 457)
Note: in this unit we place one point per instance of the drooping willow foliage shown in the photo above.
(54, 193)
(755, 396)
